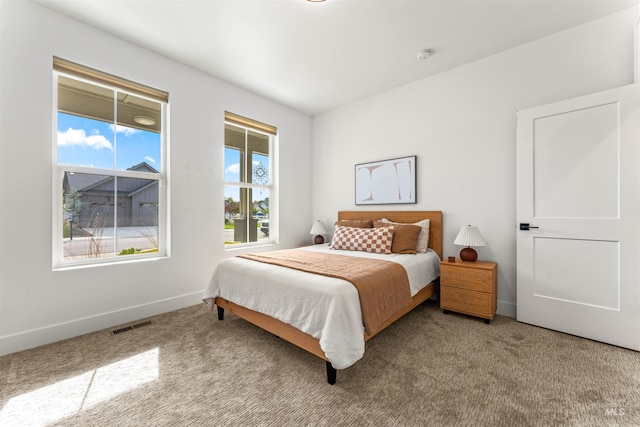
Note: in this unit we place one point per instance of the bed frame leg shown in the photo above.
(331, 373)
(220, 313)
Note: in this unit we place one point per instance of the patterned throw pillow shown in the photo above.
(375, 240)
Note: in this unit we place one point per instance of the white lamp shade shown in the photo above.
(469, 236)
(318, 228)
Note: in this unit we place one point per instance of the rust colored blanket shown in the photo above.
(383, 286)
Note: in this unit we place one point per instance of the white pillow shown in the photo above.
(423, 238)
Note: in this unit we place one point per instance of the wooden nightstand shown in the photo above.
(469, 288)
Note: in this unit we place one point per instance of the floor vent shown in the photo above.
(130, 327)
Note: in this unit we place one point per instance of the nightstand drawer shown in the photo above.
(471, 279)
(479, 304)
(452, 298)
(475, 303)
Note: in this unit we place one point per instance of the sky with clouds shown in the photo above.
(87, 142)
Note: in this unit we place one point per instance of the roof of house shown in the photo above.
(84, 182)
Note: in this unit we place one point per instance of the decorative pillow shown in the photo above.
(423, 239)
(359, 223)
(376, 240)
(405, 237)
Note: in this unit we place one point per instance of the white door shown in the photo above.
(578, 182)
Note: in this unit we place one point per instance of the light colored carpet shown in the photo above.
(188, 369)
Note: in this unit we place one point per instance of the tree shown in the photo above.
(231, 207)
(72, 207)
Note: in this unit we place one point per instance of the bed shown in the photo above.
(323, 315)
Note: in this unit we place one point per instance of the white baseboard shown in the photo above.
(49, 334)
(508, 309)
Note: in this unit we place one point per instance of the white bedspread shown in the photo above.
(324, 307)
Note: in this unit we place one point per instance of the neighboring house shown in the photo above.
(89, 199)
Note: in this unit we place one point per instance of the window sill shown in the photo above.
(110, 262)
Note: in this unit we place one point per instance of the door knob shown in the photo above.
(525, 226)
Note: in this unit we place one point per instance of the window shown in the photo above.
(110, 198)
(248, 173)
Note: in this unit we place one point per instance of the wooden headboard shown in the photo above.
(435, 223)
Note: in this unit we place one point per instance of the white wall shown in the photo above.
(37, 305)
(462, 125)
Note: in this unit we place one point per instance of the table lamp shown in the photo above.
(318, 229)
(469, 236)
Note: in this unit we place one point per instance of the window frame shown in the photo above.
(59, 169)
(250, 125)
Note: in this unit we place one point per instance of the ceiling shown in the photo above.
(317, 56)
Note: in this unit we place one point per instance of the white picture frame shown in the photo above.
(383, 182)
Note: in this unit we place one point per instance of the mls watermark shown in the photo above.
(620, 409)
(615, 411)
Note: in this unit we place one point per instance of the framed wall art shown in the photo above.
(385, 182)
